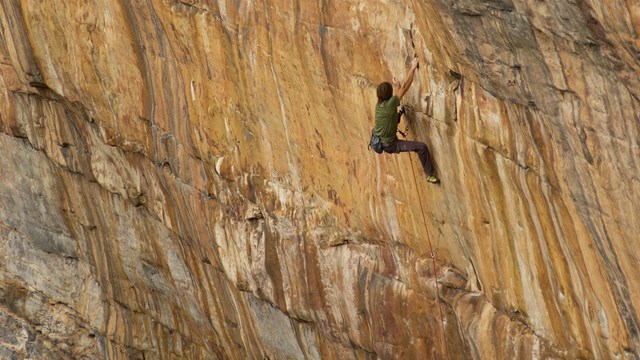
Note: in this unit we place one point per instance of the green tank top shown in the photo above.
(387, 120)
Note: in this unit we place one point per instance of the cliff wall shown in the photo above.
(190, 179)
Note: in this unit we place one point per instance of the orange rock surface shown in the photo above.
(190, 180)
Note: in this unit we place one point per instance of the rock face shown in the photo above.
(190, 179)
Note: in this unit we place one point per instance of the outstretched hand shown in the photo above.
(407, 82)
(396, 82)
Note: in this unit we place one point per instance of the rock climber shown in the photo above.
(388, 112)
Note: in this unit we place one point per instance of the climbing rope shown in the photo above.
(424, 220)
(431, 252)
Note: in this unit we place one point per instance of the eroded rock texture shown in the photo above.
(190, 179)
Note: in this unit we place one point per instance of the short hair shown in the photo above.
(384, 91)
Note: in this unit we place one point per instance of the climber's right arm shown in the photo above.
(409, 80)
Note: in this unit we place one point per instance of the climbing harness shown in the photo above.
(375, 143)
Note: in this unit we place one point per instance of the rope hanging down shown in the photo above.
(424, 220)
(431, 252)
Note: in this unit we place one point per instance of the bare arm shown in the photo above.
(406, 84)
(396, 84)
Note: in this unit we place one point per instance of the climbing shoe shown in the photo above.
(432, 179)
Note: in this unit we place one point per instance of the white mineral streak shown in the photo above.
(190, 179)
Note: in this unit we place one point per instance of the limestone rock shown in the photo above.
(190, 179)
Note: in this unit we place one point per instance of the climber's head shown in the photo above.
(384, 91)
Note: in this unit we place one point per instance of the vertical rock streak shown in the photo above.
(248, 220)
